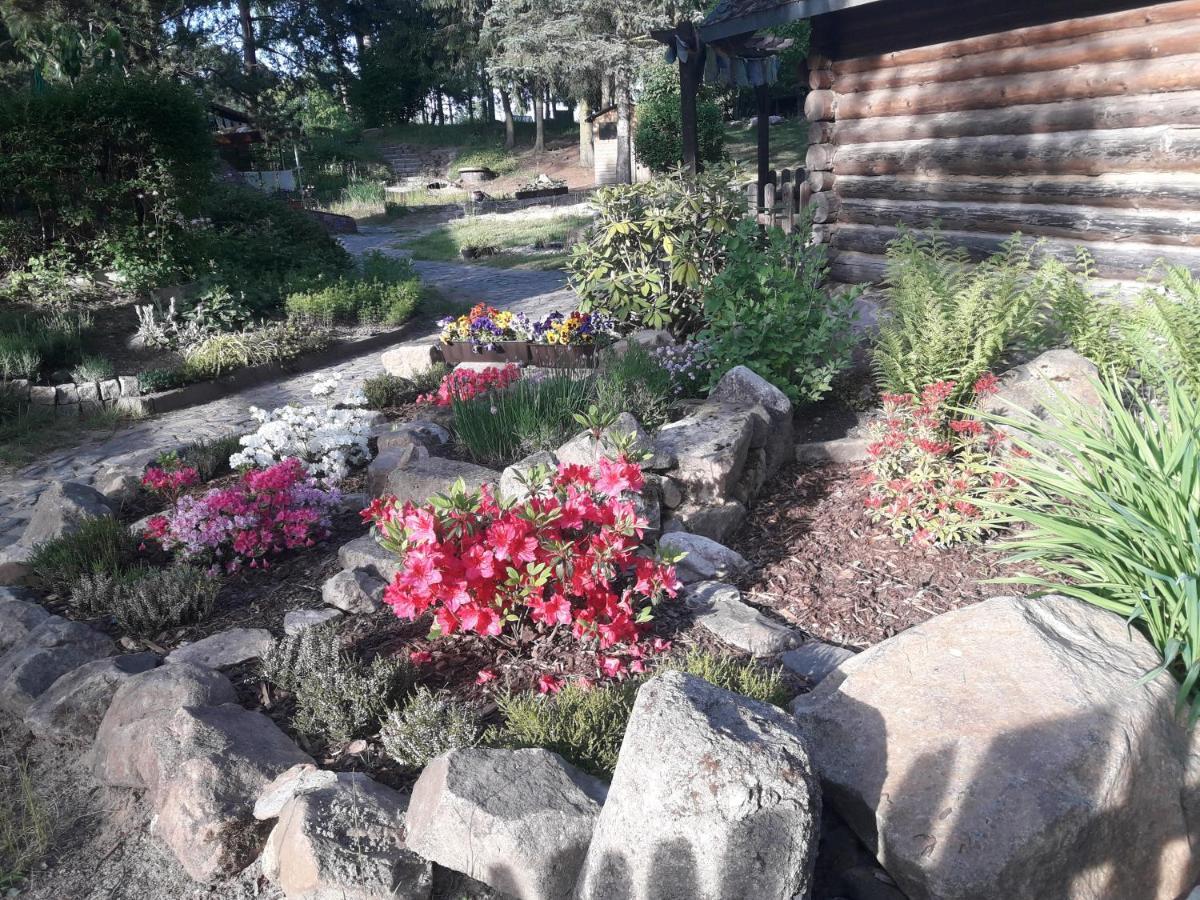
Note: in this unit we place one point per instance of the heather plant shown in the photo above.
(389, 391)
(934, 478)
(264, 514)
(92, 368)
(101, 545)
(210, 456)
(947, 320)
(338, 696)
(147, 601)
(565, 558)
(427, 726)
(1110, 504)
(742, 676)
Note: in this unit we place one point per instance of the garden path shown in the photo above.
(534, 293)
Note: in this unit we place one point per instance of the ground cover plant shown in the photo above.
(147, 601)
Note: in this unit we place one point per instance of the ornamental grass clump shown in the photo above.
(265, 513)
(1110, 498)
(564, 560)
(932, 477)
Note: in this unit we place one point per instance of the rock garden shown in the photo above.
(700, 590)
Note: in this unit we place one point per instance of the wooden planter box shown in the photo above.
(500, 352)
(557, 356)
(541, 192)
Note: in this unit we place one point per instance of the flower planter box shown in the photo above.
(558, 356)
(541, 192)
(500, 352)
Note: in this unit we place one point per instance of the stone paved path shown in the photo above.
(534, 293)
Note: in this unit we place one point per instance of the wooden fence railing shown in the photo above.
(779, 200)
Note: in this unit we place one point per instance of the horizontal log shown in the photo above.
(1122, 261)
(819, 106)
(1150, 42)
(1066, 29)
(819, 157)
(1087, 223)
(1161, 149)
(1137, 111)
(1176, 73)
(1131, 190)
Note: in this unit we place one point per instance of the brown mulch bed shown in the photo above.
(823, 566)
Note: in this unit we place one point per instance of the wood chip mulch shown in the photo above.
(823, 566)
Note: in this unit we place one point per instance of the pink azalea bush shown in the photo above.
(563, 560)
(466, 384)
(267, 512)
(929, 471)
(170, 482)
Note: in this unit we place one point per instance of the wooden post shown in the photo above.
(762, 98)
(689, 87)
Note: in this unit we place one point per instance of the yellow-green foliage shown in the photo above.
(1167, 341)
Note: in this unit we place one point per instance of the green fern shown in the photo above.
(949, 320)
(1092, 322)
(1167, 333)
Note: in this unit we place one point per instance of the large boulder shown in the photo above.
(122, 755)
(420, 432)
(1013, 748)
(344, 841)
(365, 553)
(49, 651)
(518, 820)
(709, 447)
(1043, 385)
(585, 450)
(742, 387)
(409, 359)
(713, 798)
(61, 509)
(70, 712)
(213, 761)
(719, 608)
(420, 479)
(19, 615)
(706, 560)
(225, 648)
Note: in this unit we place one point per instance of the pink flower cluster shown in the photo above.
(562, 560)
(928, 471)
(170, 482)
(466, 384)
(267, 512)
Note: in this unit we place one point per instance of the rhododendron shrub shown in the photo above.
(328, 441)
(562, 560)
(467, 384)
(169, 482)
(267, 512)
(929, 472)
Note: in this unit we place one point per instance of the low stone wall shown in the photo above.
(89, 398)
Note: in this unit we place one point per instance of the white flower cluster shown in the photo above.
(327, 440)
(326, 385)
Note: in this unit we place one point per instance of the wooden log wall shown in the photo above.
(1083, 131)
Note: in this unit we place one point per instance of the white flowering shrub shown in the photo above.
(329, 441)
(326, 385)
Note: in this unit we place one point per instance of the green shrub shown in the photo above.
(742, 676)
(93, 368)
(146, 602)
(217, 311)
(768, 310)
(353, 300)
(387, 391)
(102, 545)
(338, 697)
(655, 247)
(210, 457)
(948, 320)
(1111, 501)
(658, 133)
(500, 427)
(634, 381)
(427, 726)
(376, 266)
(33, 343)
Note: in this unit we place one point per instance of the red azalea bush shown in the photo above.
(929, 471)
(466, 384)
(562, 560)
(170, 482)
(267, 512)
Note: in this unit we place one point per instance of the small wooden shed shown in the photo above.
(1077, 121)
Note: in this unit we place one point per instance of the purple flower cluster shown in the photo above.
(689, 364)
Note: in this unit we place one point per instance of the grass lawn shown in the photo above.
(789, 143)
(504, 232)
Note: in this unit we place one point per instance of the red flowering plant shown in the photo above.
(265, 513)
(562, 561)
(932, 473)
(168, 476)
(466, 384)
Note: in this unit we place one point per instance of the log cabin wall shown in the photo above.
(1084, 131)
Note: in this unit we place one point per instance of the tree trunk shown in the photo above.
(440, 109)
(506, 103)
(624, 156)
(249, 47)
(539, 123)
(587, 158)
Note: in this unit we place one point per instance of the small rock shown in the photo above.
(356, 592)
(742, 387)
(650, 338)
(285, 787)
(344, 840)
(408, 360)
(227, 648)
(706, 559)
(423, 478)
(511, 486)
(719, 608)
(355, 502)
(714, 521)
(713, 796)
(841, 450)
(18, 617)
(299, 620)
(365, 553)
(49, 651)
(815, 659)
(710, 447)
(429, 435)
(387, 461)
(118, 486)
(70, 712)
(14, 564)
(517, 820)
